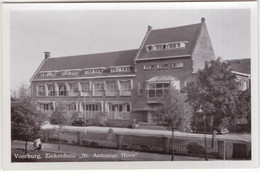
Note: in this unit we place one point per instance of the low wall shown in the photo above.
(119, 123)
(221, 149)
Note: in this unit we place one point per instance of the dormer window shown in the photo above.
(114, 69)
(48, 73)
(98, 70)
(70, 72)
(178, 65)
(148, 67)
(162, 66)
(165, 46)
(149, 47)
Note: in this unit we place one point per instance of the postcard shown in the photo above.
(153, 85)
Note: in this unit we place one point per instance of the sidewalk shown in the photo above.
(81, 153)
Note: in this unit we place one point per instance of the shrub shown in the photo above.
(195, 148)
(85, 142)
(94, 144)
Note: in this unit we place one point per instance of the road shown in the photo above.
(149, 132)
(81, 153)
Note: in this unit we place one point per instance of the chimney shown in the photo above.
(47, 55)
(203, 20)
(150, 28)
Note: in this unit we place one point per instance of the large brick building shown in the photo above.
(125, 85)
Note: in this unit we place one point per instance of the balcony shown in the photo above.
(125, 92)
(98, 93)
(155, 95)
(86, 93)
(111, 93)
(73, 93)
(62, 93)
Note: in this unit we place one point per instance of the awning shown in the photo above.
(117, 102)
(44, 101)
(145, 108)
(162, 79)
(142, 110)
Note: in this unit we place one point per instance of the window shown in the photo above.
(173, 45)
(162, 66)
(125, 88)
(164, 46)
(85, 87)
(71, 106)
(73, 89)
(111, 85)
(94, 70)
(120, 69)
(178, 65)
(182, 45)
(119, 110)
(62, 90)
(113, 70)
(48, 73)
(98, 89)
(70, 72)
(148, 67)
(91, 107)
(51, 90)
(111, 88)
(243, 84)
(123, 107)
(46, 106)
(140, 90)
(158, 47)
(157, 89)
(41, 91)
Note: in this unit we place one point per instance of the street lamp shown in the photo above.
(205, 131)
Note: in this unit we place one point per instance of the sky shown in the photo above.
(66, 33)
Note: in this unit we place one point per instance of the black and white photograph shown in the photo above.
(153, 82)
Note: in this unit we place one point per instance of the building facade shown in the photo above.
(241, 68)
(124, 85)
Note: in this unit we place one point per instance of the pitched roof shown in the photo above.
(188, 33)
(118, 58)
(241, 65)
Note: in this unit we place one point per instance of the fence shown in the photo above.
(183, 146)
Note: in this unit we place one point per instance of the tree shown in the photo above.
(26, 121)
(174, 113)
(215, 92)
(244, 107)
(58, 118)
(23, 91)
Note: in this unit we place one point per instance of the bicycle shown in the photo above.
(33, 147)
